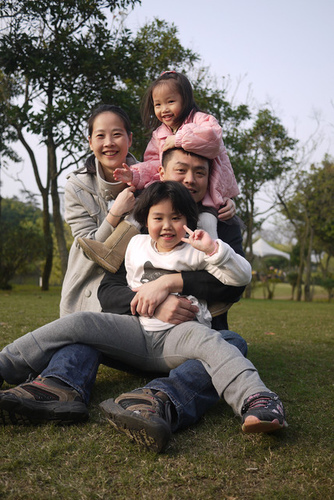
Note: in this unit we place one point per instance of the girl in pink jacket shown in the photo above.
(169, 109)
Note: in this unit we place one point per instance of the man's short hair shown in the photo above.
(167, 155)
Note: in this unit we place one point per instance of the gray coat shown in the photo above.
(86, 208)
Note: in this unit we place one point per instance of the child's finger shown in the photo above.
(187, 230)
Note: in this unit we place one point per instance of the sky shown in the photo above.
(278, 52)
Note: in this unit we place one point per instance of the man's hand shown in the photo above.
(227, 211)
(176, 310)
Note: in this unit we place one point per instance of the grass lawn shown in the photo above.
(292, 346)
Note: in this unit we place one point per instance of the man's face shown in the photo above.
(191, 171)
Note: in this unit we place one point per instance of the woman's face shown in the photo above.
(109, 142)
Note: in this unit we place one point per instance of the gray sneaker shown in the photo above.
(40, 401)
(263, 412)
(142, 415)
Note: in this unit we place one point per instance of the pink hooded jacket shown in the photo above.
(200, 134)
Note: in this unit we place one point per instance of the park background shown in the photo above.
(254, 57)
(261, 69)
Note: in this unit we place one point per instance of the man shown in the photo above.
(61, 392)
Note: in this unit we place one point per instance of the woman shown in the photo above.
(95, 204)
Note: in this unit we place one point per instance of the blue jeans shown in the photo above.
(188, 386)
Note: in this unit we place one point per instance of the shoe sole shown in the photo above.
(150, 435)
(253, 425)
(16, 411)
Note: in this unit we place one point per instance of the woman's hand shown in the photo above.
(124, 202)
(227, 211)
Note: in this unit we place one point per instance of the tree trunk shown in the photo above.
(307, 287)
(57, 218)
(303, 240)
(48, 243)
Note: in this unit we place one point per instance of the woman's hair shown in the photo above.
(182, 85)
(182, 201)
(104, 108)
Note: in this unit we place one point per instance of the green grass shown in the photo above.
(292, 346)
(284, 290)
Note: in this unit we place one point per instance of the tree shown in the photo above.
(21, 239)
(262, 153)
(55, 59)
(321, 202)
(60, 58)
(310, 209)
(155, 48)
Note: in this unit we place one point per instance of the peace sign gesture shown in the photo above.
(201, 240)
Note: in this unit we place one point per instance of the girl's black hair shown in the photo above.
(104, 108)
(183, 87)
(182, 201)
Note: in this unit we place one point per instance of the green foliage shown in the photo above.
(59, 59)
(263, 152)
(64, 53)
(328, 284)
(21, 248)
(310, 209)
(56, 59)
(212, 459)
(320, 204)
(155, 48)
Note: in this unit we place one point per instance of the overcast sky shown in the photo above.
(282, 49)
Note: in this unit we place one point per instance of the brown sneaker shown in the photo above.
(143, 416)
(40, 401)
(110, 254)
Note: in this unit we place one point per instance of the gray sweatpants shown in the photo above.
(122, 338)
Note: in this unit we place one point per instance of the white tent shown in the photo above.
(262, 249)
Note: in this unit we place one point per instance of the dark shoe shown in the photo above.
(263, 412)
(40, 401)
(110, 254)
(143, 416)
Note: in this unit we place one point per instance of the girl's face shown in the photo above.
(109, 142)
(165, 226)
(167, 104)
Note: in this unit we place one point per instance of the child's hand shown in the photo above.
(169, 143)
(123, 174)
(201, 240)
(149, 296)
